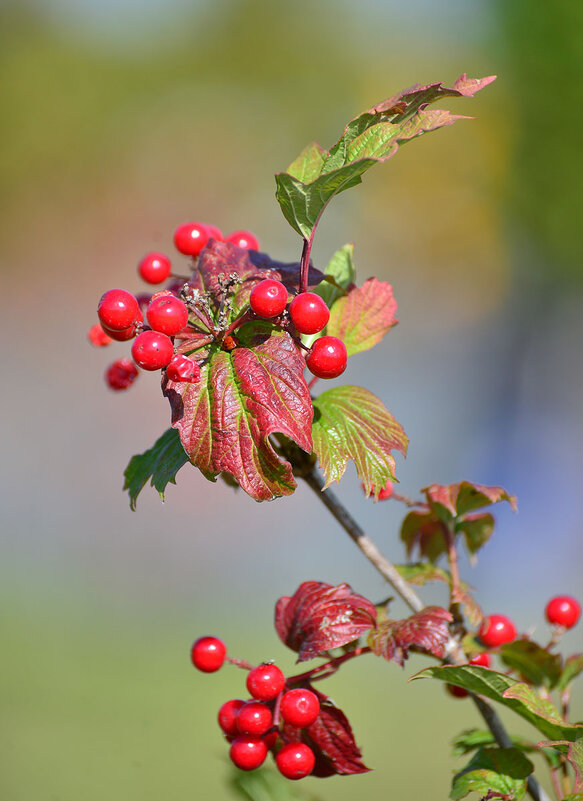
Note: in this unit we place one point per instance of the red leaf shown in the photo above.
(458, 499)
(319, 617)
(331, 738)
(424, 631)
(363, 316)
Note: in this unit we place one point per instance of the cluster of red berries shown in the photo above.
(562, 612)
(252, 726)
(309, 314)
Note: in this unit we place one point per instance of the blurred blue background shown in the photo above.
(122, 120)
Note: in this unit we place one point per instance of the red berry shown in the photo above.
(300, 707)
(243, 239)
(265, 682)
(456, 692)
(215, 233)
(152, 350)
(248, 753)
(386, 492)
(183, 369)
(227, 716)
(497, 630)
(123, 335)
(118, 309)
(121, 374)
(328, 357)
(563, 611)
(155, 268)
(270, 738)
(98, 337)
(167, 314)
(190, 238)
(295, 760)
(208, 654)
(268, 298)
(309, 313)
(254, 719)
(482, 659)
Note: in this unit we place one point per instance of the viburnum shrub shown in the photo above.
(233, 367)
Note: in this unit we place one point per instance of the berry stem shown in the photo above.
(243, 318)
(328, 668)
(242, 663)
(312, 382)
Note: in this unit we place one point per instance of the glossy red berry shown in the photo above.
(563, 611)
(227, 716)
(125, 334)
(268, 298)
(265, 682)
(190, 238)
(497, 630)
(215, 233)
(182, 369)
(456, 692)
(386, 492)
(167, 314)
(118, 309)
(328, 357)
(243, 239)
(254, 718)
(309, 313)
(300, 707)
(121, 374)
(155, 268)
(482, 659)
(98, 337)
(295, 760)
(208, 654)
(248, 753)
(152, 350)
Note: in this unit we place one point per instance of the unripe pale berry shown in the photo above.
(268, 298)
(190, 238)
(118, 309)
(167, 314)
(152, 350)
(244, 239)
(295, 760)
(300, 707)
(121, 374)
(208, 654)
(155, 268)
(265, 682)
(327, 358)
(563, 611)
(309, 313)
(248, 753)
(497, 630)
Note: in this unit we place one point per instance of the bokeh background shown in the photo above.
(122, 120)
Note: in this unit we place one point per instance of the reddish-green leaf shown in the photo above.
(352, 423)
(511, 693)
(477, 530)
(243, 396)
(363, 316)
(420, 573)
(424, 631)
(573, 667)
(333, 741)
(317, 175)
(574, 753)
(497, 772)
(458, 499)
(535, 664)
(319, 617)
(422, 529)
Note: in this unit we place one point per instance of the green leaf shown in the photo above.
(363, 316)
(317, 175)
(352, 423)
(574, 797)
(573, 667)
(511, 693)
(471, 739)
(504, 770)
(454, 500)
(477, 530)
(419, 573)
(266, 785)
(160, 463)
(342, 273)
(536, 665)
(421, 528)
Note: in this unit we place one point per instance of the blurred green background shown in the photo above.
(122, 120)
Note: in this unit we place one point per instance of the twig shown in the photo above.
(387, 569)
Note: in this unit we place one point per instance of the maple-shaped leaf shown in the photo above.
(332, 740)
(243, 397)
(160, 463)
(317, 175)
(319, 617)
(497, 772)
(422, 529)
(426, 631)
(352, 423)
(363, 316)
(454, 500)
(573, 751)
